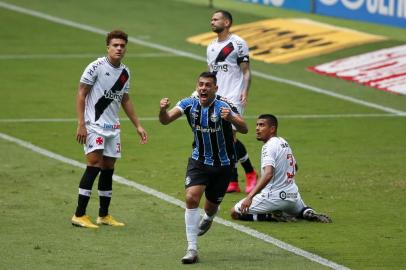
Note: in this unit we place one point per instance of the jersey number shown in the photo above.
(291, 170)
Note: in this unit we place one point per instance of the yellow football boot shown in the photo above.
(83, 221)
(109, 220)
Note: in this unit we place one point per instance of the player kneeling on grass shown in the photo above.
(276, 196)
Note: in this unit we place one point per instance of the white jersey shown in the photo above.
(224, 59)
(103, 102)
(277, 153)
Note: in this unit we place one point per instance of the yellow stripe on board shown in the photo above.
(287, 40)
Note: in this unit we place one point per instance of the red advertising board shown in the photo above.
(383, 69)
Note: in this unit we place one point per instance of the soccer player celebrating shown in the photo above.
(210, 167)
(227, 57)
(276, 190)
(103, 88)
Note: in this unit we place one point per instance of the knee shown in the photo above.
(234, 214)
(95, 159)
(192, 200)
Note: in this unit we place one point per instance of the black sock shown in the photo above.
(256, 217)
(234, 175)
(85, 189)
(105, 190)
(242, 156)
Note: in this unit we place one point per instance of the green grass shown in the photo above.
(37, 202)
(350, 168)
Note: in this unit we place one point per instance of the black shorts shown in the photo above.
(215, 178)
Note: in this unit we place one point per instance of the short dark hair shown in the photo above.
(208, 74)
(225, 14)
(116, 34)
(272, 120)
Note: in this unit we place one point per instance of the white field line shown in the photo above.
(174, 201)
(197, 57)
(293, 116)
(78, 55)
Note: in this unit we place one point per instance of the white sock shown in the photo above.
(192, 218)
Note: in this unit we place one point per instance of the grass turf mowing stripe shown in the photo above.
(169, 199)
(197, 57)
(293, 116)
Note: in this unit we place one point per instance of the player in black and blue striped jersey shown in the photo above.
(212, 160)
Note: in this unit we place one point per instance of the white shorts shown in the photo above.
(111, 145)
(240, 108)
(263, 203)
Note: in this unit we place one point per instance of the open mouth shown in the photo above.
(203, 95)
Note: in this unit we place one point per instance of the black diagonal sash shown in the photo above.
(104, 102)
(224, 52)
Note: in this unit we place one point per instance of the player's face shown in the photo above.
(218, 22)
(263, 130)
(116, 50)
(206, 90)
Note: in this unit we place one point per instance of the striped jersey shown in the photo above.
(109, 84)
(224, 59)
(213, 136)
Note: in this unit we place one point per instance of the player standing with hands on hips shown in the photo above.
(103, 89)
(212, 161)
(227, 57)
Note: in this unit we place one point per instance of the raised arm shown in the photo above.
(235, 119)
(166, 117)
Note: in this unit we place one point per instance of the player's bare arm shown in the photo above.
(128, 108)
(81, 132)
(235, 119)
(166, 117)
(245, 67)
(261, 184)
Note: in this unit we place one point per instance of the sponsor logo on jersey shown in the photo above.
(207, 130)
(111, 126)
(113, 95)
(287, 195)
(94, 67)
(220, 67)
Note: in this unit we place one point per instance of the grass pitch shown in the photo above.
(350, 167)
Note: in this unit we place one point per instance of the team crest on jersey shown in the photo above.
(214, 118)
(99, 140)
(195, 115)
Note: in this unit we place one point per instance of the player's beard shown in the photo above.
(217, 29)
